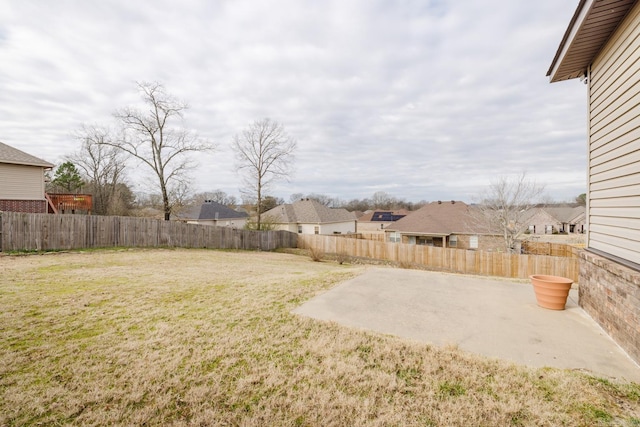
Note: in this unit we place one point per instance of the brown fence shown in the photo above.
(447, 259)
(551, 249)
(30, 232)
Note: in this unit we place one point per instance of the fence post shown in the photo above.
(1, 236)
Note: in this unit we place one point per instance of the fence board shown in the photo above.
(38, 232)
(449, 259)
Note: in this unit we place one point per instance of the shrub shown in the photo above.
(342, 257)
(316, 254)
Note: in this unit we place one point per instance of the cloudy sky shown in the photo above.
(423, 99)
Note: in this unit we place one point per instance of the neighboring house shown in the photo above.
(600, 46)
(556, 219)
(443, 224)
(214, 213)
(22, 181)
(308, 216)
(378, 220)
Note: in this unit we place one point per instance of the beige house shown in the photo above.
(443, 224)
(22, 181)
(308, 216)
(600, 46)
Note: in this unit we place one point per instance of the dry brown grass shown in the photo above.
(197, 337)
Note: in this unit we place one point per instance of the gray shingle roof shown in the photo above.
(14, 156)
(308, 212)
(209, 209)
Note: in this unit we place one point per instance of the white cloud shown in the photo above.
(423, 99)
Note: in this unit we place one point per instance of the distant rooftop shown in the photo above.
(308, 211)
(383, 216)
(211, 210)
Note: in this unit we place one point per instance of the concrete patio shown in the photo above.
(494, 317)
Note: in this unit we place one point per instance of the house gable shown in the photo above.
(21, 175)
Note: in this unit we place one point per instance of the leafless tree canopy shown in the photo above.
(505, 207)
(265, 154)
(102, 167)
(155, 138)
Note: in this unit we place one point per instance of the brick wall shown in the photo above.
(610, 293)
(28, 206)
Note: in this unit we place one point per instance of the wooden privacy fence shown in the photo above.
(552, 249)
(447, 259)
(36, 232)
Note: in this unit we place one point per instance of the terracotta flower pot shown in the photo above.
(551, 291)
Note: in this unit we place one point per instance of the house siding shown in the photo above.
(19, 182)
(326, 228)
(338, 228)
(614, 144)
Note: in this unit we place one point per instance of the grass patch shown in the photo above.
(189, 337)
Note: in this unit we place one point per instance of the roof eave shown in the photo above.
(577, 20)
(45, 165)
(592, 25)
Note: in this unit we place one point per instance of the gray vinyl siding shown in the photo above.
(614, 144)
(19, 182)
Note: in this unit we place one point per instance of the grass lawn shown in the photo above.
(203, 337)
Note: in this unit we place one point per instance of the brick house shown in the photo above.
(443, 224)
(600, 46)
(22, 181)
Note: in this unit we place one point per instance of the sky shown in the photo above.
(422, 99)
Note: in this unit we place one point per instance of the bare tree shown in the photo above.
(264, 153)
(103, 169)
(382, 200)
(150, 137)
(217, 196)
(505, 207)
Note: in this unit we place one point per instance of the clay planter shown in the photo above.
(551, 291)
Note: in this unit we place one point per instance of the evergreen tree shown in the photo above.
(67, 178)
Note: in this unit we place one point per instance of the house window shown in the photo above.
(300, 229)
(427, 241)
(453, 241)
(473, 242)
(532, 229)
(394, 237)
(316, 229)
(548, 229)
